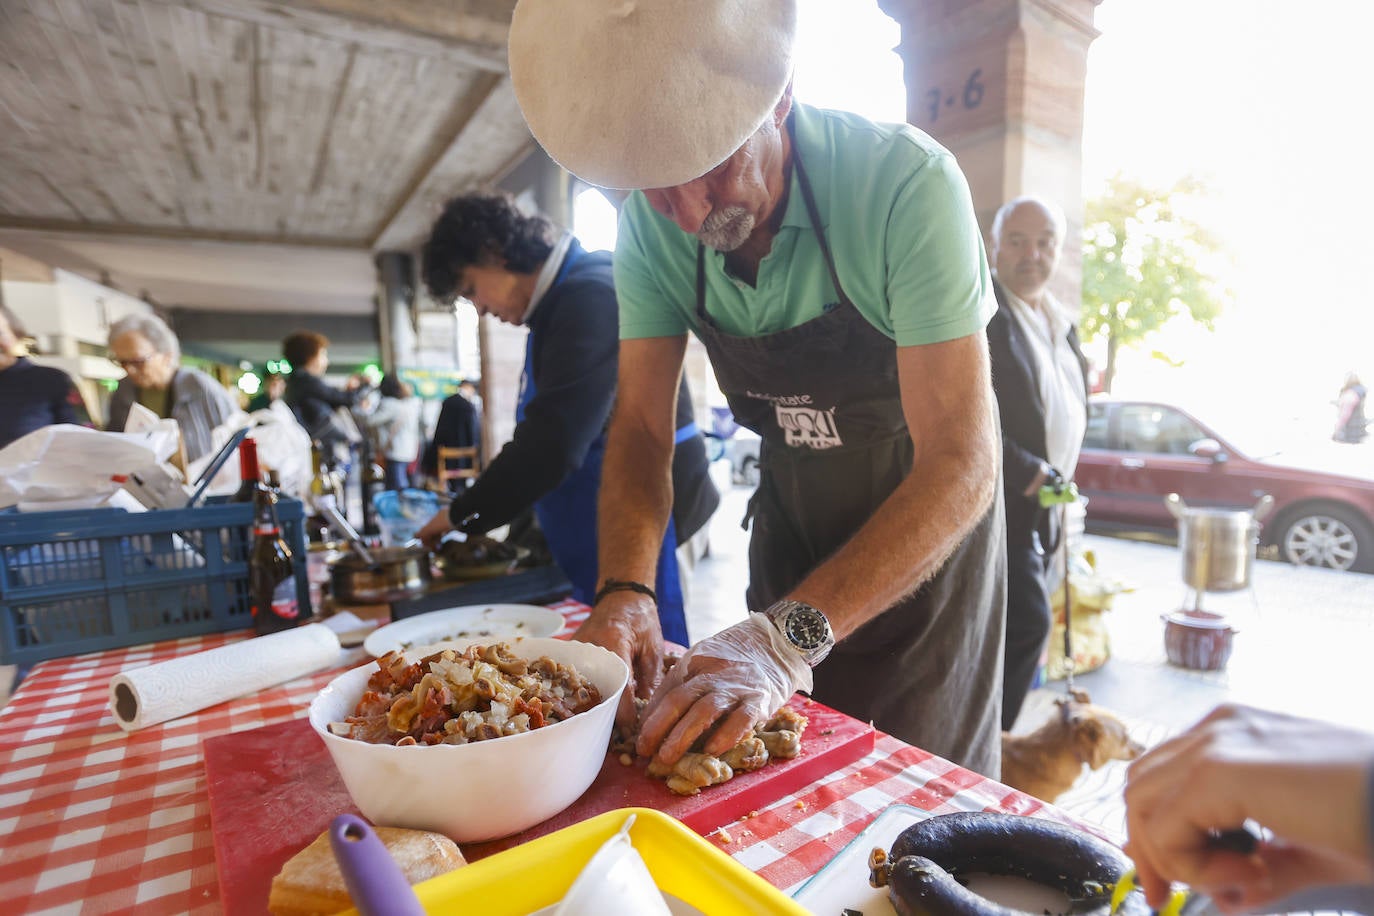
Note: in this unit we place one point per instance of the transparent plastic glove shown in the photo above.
(723, 687)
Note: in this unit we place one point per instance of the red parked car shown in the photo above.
(1138, 452)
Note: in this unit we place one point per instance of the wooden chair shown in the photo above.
(470, 467)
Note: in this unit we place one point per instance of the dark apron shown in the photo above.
(567, 516)
(824, 396)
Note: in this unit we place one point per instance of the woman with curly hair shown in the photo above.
(521, 270)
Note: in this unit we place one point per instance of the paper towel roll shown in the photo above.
(165, 691)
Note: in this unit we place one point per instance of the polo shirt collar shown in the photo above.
(796, 216)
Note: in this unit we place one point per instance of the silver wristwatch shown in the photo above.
(805, 627)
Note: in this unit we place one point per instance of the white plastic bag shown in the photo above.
(226, 479)
(72, 467)
(284, 446)
(615, 882)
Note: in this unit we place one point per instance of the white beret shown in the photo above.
(633, 94)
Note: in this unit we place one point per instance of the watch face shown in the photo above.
(806, 628)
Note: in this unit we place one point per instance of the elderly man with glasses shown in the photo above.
(150, 355)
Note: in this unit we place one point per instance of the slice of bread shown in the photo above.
(311, 884)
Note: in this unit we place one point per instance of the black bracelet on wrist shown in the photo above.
(622, 585)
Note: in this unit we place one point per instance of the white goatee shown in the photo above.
(727, 229)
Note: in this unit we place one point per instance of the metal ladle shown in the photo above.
(355, 540)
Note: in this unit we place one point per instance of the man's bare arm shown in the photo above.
(636, 478)
(948, 402)
(633, 506)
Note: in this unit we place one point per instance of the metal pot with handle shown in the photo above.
(1218, 545)
(376, 575)
(393, 574)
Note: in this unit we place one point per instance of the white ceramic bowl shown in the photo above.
(486, 789)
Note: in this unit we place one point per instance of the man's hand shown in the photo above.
(1042, 475)
(626, 623)
(434, 530)
(725, 685)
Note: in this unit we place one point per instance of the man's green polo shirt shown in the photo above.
(899, 220)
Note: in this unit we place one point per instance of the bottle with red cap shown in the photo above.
(272, 572)
(250, 472)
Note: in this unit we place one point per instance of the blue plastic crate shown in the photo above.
(87, 580)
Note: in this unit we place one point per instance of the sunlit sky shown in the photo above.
(1264, 99)
(1267, 100)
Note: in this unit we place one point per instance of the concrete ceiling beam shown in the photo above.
(417, 26)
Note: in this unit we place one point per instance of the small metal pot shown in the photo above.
(395, 573)
(1198, 640)
(1218, 545)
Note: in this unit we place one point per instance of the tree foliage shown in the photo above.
(1141, 265)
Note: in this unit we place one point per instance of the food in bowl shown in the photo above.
(478, 550)
(478, 557)
(451, 697)
(481, 790)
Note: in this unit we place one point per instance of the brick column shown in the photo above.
(1000, 84)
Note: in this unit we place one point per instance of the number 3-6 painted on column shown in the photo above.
(973, 95)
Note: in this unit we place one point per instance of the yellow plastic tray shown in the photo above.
(538, 874)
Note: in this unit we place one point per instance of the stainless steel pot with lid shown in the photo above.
(1218, 545)
(376, 575)
(394, 573)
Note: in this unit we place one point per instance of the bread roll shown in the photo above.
(311, 884)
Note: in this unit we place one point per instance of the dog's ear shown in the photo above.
(1087, 738)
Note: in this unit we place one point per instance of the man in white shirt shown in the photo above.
(1040, 377)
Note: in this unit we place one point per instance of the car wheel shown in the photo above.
(749, 471)
(1327, 536)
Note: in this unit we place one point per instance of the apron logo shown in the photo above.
(791, 400)
(808, 427)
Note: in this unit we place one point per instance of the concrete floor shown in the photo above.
(1304, 646)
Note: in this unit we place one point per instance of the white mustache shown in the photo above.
(727, 229)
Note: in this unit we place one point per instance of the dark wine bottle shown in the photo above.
(272, 572)
(250, 473)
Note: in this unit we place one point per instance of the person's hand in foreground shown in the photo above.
(434, 530)
(723, 687)
(626, 623)
(1307, 782)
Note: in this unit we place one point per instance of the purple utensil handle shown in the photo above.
(375, 882)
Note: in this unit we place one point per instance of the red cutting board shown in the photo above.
(274, 789)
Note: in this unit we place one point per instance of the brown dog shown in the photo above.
(1046, 762)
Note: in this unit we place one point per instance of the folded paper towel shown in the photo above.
(168, 690)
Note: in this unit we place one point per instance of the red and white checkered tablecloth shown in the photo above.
(97, 820)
